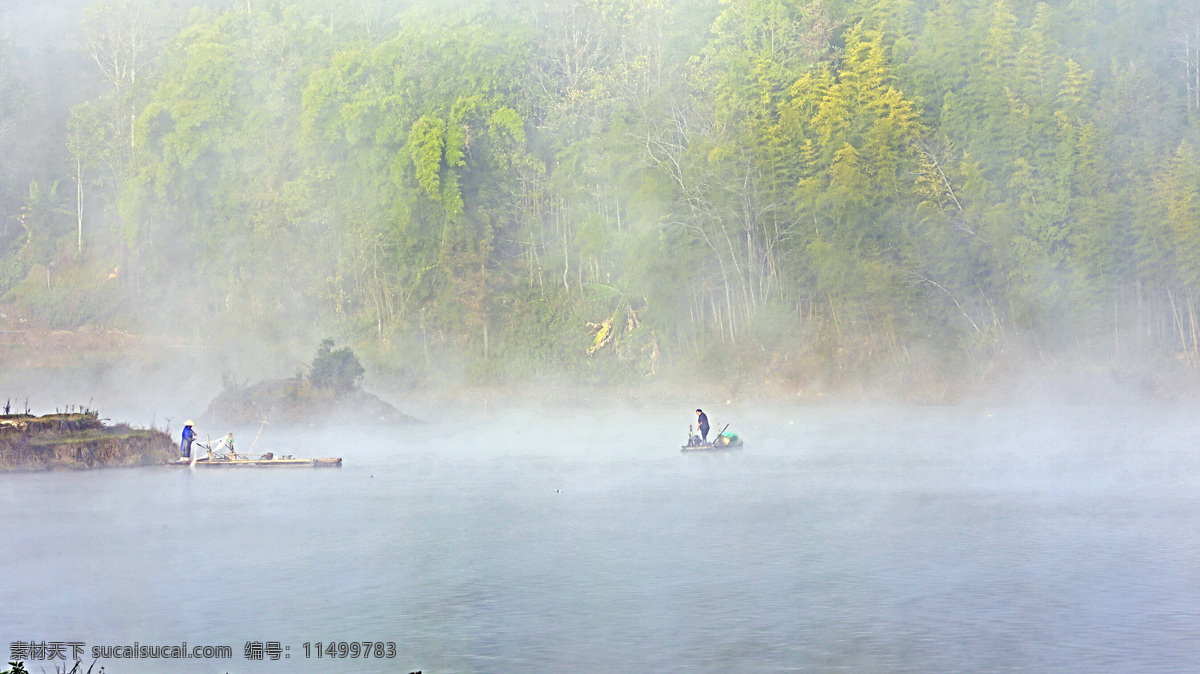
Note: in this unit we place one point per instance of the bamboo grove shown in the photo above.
(602, 189)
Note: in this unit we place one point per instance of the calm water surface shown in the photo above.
(841, 539)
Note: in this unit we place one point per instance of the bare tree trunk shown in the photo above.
(1116, 330)
(1192, 319)
(483, 306)
(562, 228)
(1189, 42)
(377, 294)
(79, 204)
(737, 268)
(1187, 64)
(1188, 48)
(833, 312)
(1178, 324)
(486, 351)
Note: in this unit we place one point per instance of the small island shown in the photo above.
(77, 440)
(330, 395)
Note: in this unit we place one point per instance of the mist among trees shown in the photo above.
(603, 190)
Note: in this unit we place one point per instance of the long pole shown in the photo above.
(252, 445)
(718, 435)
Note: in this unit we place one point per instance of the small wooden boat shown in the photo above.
(723, 442)
(712, 447)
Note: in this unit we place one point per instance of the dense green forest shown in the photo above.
(605, 190)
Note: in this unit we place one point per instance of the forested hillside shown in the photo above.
(605, 190)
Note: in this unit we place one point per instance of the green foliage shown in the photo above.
(336, 370)
(772, 177)
(426, 143)
(543, 338)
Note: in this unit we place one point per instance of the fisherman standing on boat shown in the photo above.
(185, 444)
(702, 419)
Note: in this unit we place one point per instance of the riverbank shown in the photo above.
(159, 380)
(76, 441)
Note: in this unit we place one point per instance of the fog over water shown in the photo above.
(843, 538)
(929, 201)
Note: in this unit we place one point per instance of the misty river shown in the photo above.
(842, 538)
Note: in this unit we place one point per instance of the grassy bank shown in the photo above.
(77, 441)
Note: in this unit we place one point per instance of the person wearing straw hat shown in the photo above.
(185, 444)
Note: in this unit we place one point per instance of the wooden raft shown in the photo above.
(204, 462)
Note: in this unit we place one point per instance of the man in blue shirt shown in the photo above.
(702, 419)
(185, 445)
